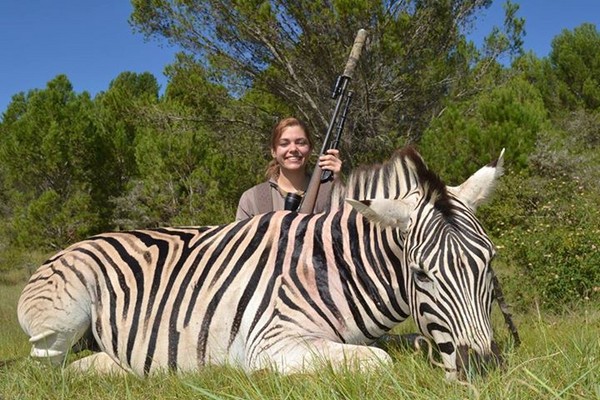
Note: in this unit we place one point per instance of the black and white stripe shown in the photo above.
(280, 289)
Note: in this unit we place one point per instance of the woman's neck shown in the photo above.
(292, 181)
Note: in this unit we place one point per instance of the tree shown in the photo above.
(172, 164)
(510, 116)
(51, 155)
(575, 57)
(185, 178)
(121, 112)
(44, 139)
(416, 56)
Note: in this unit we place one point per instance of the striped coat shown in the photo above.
(281, 290)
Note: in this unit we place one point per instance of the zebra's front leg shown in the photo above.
(311, 355)
(100, 363)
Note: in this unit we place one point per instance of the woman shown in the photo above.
(291, 146)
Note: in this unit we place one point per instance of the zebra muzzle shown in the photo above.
(470, 363)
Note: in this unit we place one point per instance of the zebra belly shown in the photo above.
(181, 336)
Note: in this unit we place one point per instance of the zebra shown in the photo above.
(283, 290)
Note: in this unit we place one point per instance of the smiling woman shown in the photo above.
(291, 145)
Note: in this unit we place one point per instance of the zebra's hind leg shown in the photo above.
(53, 346)
(54, 312)
(53, 331)
(315, 354)
(100, 363)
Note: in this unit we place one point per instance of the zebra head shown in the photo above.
(446, 259)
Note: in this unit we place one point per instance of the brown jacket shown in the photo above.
(266, 197)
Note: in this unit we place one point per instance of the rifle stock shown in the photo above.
(310, 198)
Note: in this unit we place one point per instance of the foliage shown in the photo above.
(53, 159)
(120, 116)
(183, 179)
(546, 220)
(569, 77)
(416, 57)
(187, 156)
(52, 221)
(562, 268)
(190, 85)
(575, 57)
(510, 116)
(511, 39)
(547, 236)
(541, 74)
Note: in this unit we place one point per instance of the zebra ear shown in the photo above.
(478, 188)
(385, 212)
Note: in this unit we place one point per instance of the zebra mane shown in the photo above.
(404, 172)
(433, 186)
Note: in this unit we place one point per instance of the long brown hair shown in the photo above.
(273, 167)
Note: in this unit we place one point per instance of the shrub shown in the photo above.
(546, 224)
(470, 135)
(50, 221)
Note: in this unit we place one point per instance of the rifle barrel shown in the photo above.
(310, 198)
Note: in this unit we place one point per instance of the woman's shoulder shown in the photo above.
(254, 201)
(257, 189)
(258, 195)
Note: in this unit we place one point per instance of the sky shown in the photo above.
(91, 42)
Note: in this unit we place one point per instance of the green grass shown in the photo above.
(559, 358)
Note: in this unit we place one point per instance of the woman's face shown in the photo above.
(292, 149)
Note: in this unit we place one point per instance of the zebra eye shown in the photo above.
(421, 276)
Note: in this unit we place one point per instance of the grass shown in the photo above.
(559, 358)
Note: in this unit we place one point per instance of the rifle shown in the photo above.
(344, 98)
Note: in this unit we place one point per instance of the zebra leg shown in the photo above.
(54, 313)
(314, 354)
(53, 346)
(53, 330)
(100, 363)
(342, 356)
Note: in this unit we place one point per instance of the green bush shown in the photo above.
(546, 224)
(563, 265)
(52, 222)
(468, 136)
(575, 61)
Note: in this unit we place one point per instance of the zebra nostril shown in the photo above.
(469, 362)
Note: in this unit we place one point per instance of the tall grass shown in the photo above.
(559, 358)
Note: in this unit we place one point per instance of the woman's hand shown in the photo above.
(331, 161)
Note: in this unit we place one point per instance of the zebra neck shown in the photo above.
(369, 263)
